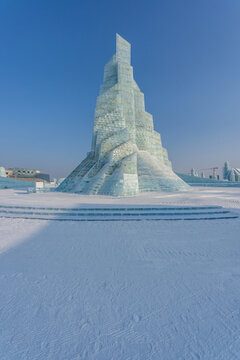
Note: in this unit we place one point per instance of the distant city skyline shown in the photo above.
(185, 55)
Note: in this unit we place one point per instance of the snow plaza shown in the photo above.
(125, 261)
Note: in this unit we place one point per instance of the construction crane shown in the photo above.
(214, 169)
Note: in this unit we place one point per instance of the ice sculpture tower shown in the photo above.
(127, 156)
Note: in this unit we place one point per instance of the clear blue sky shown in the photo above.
(186, 59)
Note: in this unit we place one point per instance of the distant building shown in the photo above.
(41, 176)
(27, 174)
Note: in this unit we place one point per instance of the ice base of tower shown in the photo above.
(136, 173)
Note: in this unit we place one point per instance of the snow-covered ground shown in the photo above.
(120, 290)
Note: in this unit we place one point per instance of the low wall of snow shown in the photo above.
(7, 183)
(199, 181)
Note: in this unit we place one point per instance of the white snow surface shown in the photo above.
(120, 290)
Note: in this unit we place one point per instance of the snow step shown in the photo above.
(118, 213)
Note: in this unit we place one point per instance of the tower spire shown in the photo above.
(123, 49)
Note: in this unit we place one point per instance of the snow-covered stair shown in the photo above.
(122, 213)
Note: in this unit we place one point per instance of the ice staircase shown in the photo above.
(77, 174)
(120, 213)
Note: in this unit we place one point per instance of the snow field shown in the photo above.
(120, 290)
